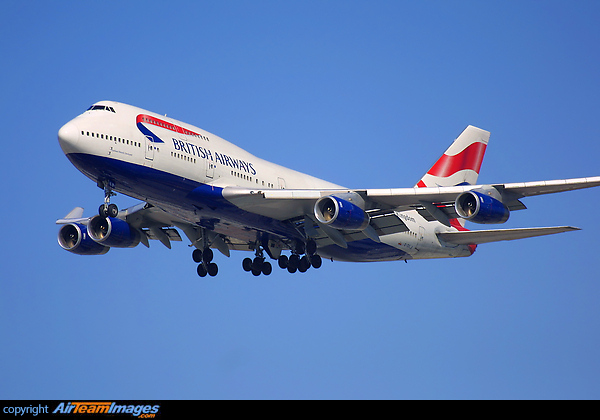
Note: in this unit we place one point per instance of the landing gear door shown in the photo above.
(149, 149)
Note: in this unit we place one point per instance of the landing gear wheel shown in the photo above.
(292, 269)
(256, 272)
(103, 210)
(207, 255)
(113, 210)
(282, 261)
(212, 269)
(311, 247)
(293, 262)
(258, 263)
(316, 261)
(304, 264)
(267, 268)
(202, 272)
(197, 255)
(247, 265)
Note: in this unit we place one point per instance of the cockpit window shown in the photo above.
(101, 108)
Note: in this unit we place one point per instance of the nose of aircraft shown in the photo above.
(68, 136)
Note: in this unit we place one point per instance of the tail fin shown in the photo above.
(460, 164)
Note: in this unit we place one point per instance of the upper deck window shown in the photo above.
(101, 108)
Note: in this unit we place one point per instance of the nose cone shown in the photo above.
(68, 136)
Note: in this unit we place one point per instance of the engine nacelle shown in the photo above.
(480, 206)
(113, 232)
(74, 238)
(340, 214)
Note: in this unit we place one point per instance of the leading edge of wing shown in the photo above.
(486, 236)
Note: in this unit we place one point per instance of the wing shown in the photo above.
(430, 202)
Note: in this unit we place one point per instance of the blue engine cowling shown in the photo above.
(340, 214)
(113, 232)
(74, 238)
(479, 207)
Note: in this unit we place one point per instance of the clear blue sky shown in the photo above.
(365, 94)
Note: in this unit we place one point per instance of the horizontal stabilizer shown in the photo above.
(486, 236)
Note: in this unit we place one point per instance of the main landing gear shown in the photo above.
(294, 263)
(258, 265)
(205, 265)
(107, 209)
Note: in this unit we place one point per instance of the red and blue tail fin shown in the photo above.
(460, 164)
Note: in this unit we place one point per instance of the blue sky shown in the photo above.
(364, 94)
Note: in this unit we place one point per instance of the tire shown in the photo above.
(201, 270)
(258, 263)
(311, 247)
(103, 210)
(293, 261)
(197, 256)
(304, 264)
(247, 265)
(212, 269)
(282, 261)
(267, 268)
(113, 210)
(316, 261)
(207, 255)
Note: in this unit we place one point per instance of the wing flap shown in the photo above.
(486, 236)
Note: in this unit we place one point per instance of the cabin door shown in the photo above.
(149, 148)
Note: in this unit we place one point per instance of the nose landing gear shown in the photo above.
(107, 209)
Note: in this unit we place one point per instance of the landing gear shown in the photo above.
(295, 262)
(303, 257)
(258, 265)
(107, 209)
(205, 264)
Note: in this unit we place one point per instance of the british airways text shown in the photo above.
(204, 153)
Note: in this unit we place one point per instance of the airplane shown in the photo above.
(224, 198)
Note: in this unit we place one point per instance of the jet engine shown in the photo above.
(113, 232)
(74, 238)
(480, 206)
(340, 214)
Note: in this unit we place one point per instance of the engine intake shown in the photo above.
(113, 232)
(74, 238)
(480, 206)
(340, 214)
